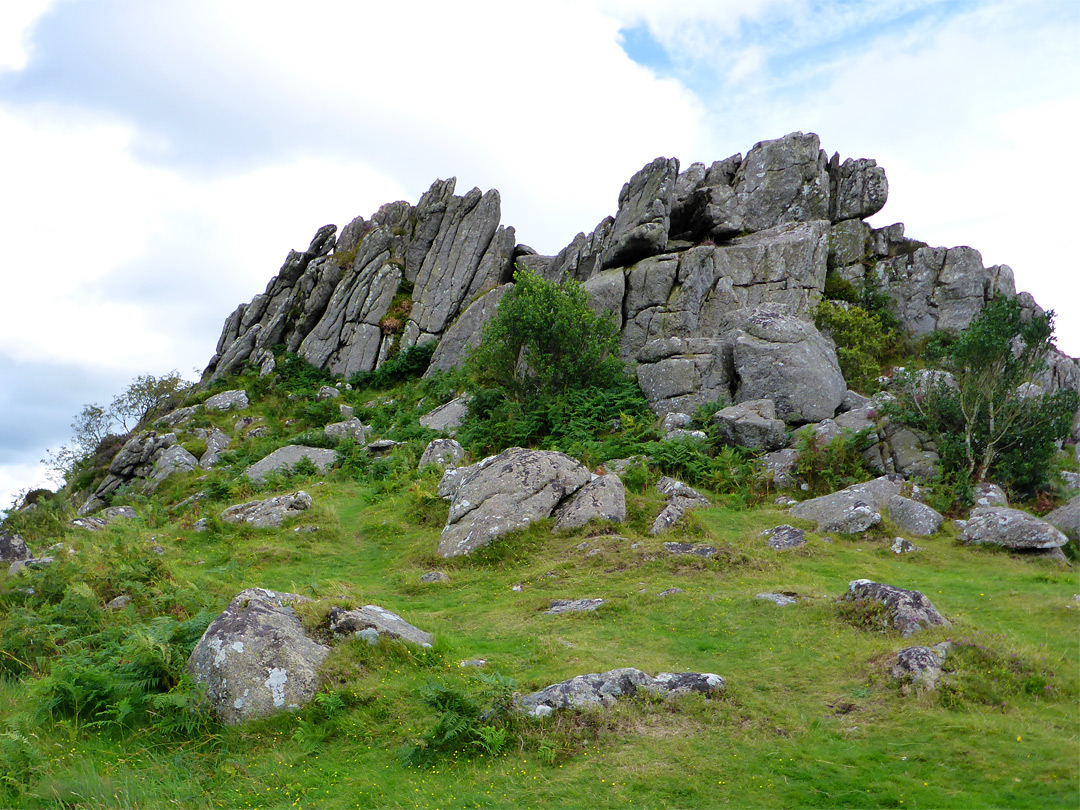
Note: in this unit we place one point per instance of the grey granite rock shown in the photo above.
(908, 611)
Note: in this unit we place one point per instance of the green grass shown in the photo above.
(808, 718)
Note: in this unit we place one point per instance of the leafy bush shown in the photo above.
(829, 466)
(545, 340)
(297, 374)
(862, 341)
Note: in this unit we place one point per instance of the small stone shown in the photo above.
(690, 548)
(902, 546)
(157, 550)
(671, 591)
(119, 603)
(572, 606)
(785, 537)
(517, 588)
(473, 662)
(781, 599)
(435, 576)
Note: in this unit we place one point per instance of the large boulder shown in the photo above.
(351, 428)
(443, 452)
(13, 548)
(256, 659)
(1011, 529)
(603, 498)
(859, 188)
(751, 424)
(604, 688)
(227, 401)
(285, 458)
(372, 622)
(449, 417)
(507, 492)
(1067, 518)
(786, 360)
(908, 611)
(269, 513)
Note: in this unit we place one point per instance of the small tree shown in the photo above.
(144, 395)
(545, 339)
(980, 412)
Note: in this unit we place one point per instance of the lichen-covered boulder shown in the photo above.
(372, 622)
(227, 401)
(785, 537)
(445, 453)
(1011, 529)
(174, 460)
(449, 417)
(351, 428)
(507, 492)
(285, 457)
(256, 659)
(270, 513)
(604, 688)
(603, 498)
(908, 611)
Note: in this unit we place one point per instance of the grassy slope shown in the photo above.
(807, 718)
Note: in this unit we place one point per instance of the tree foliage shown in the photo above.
(145, 395)
(545, 339)
(986, 420)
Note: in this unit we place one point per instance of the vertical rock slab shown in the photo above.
(464, 334)
(859, 188)
(644, 219)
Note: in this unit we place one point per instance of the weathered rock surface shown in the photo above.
(12, 548)
(507, 492)
(174, 460)
(216, 444)
(269, 513)
(443, 452)
(134, 460)
(780, 467)
(788, 361)
(785, 537)
(641, 226)
(573, 606)
(603, 498)
(227, 401)
(908, 611)
(604, 688)
(256, 659)
(285, 457)
(695, 549)
(858, 507)
(1067, 518)
(919, 667)
(449, 417)
(372, 622)
(1011, 529)
(681, 499)
(987, 494)
(464, 334)
(751, 424)
(351, 428)
(779, 599)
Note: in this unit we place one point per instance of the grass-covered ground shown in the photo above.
(807, 718)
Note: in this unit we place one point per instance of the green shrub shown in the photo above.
(544, 340)
(831, 466)
(404, 365)
(862, 341)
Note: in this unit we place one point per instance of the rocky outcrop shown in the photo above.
(751, 424)
(682, 264)
(174, 460)
(681, 499)
(507, 492)
(856, 508)
(256, 659)
(449, 417)
(604, 688)
(136, 459)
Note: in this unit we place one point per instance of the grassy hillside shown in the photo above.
(96, 712)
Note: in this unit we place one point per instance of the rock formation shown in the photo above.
(711, 273)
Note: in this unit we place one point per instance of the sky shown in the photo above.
(158, 160)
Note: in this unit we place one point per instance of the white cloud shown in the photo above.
(17, 18)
